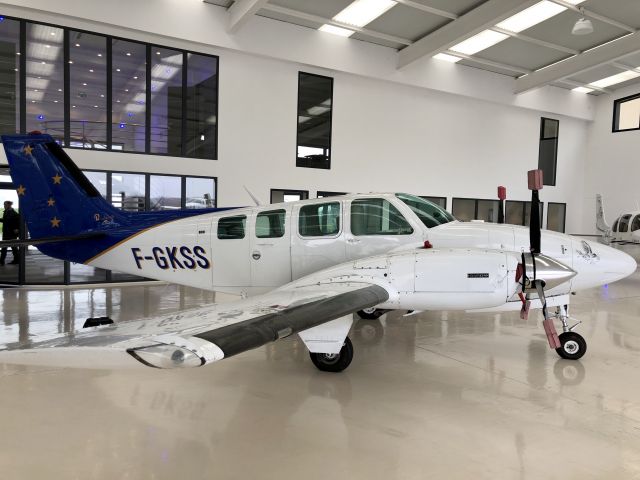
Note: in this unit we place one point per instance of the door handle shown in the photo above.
(266, 244)
(256, 255)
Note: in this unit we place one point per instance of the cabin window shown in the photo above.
(320, 220)
(635, 225)
(376, 216)
(624, 223)
(232, 228)
(270, 224)
(615, 225)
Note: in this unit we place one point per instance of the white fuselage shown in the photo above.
(255, 249)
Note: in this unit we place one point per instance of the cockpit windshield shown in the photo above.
(429, 213)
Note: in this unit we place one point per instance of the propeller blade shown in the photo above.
(534, 178)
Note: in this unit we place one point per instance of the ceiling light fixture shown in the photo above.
(358, 13)
(481, 41)
(343, 32)
(617, 78)
(582, 90)
(583, 26)
(447, 58)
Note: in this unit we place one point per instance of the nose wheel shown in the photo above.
(572, 345)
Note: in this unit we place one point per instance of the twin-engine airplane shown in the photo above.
(301, 267)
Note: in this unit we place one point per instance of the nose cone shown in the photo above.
(550, 270)
(599, 264)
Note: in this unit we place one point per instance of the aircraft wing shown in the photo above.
(194, 337)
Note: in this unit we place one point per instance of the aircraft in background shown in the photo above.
(305, 266)
(625, 230)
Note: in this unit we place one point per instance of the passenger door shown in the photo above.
(376, 226)
(231, 252)
(271, 248)
(318, 241)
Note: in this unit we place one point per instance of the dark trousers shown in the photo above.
(14, 251)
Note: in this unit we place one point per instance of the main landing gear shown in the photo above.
(371, 313)
(334, 362)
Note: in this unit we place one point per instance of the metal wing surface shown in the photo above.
(198, 336)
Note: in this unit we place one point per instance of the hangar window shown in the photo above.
(626, 113)
(281, 196)
(232, 228)
(319, 220)
(10, 67)
(164, 192)
(623, 226)
(103, 92)
(467, 209)
(519, 213)
(548, 150)
(376, 216)
(315, 102)
(270, 224)
(556, 216)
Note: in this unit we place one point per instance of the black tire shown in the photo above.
(334, 363)
(572, 346)
(371, 314)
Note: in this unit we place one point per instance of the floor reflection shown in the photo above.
(432, 395)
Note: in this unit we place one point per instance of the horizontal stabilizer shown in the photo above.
(44, 240)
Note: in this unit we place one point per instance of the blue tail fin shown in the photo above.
(57, 200)
(55, 197)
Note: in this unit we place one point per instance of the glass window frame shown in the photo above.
(317, 205)
(624, 222)
(277, 211)
(244, 227)
(475, 211)
(545, 180)
(616, 114)
(304, 194)
(356, 201)
(109, 85)
(330, 156)
(564, 216)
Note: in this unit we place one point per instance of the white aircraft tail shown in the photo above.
(601, 223)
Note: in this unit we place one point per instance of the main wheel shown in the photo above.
(572, 346)
(334, 362)
(371, 313)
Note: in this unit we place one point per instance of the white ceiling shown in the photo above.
(418, 28)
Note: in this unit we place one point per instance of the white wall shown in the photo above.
(613, 164)
(387, 135)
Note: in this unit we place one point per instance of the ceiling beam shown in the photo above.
(542, 43)
(425, 8)
(241, 11)
(597, 56)
(322, 20)
(480, 18)
(490, 63)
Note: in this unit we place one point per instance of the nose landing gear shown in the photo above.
(572, 345)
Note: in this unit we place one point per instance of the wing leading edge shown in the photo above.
(200, 336)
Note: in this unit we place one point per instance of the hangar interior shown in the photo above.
(185, 104)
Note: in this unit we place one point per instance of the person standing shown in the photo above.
(10, 230)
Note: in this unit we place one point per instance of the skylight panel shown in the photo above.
(479, 42)
(447, 58)
(361, 12)
(343, 32)
(531, 16)
(582, 90)
(617, 78)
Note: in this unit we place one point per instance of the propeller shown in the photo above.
(538, 271)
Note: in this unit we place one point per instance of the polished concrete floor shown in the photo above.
(433, 396)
